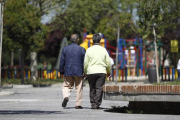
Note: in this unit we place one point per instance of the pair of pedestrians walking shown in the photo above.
(76, 63)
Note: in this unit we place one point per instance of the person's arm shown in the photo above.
(62, 64)
(85, 63)
(108, 63)
(83, 56)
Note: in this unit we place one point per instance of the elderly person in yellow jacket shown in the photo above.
(96, 64)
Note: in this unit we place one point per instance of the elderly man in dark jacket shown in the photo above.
(71, 70)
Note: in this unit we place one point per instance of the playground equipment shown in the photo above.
(135, 59)
(127, 56)
(129, 59)
(88, 42)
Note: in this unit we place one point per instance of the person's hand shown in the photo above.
(62, 76)
(108, 75)
(84, 75)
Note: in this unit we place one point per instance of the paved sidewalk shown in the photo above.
(6, 93)
(45, 104)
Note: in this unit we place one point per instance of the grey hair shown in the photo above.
(74, 37)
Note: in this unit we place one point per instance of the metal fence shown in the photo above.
(42, 74)
(122, 74)
(167, 74)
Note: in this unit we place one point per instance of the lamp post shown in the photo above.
(118, 31)
(1, 32)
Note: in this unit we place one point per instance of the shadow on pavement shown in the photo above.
(85, 108)
(144, 110)
(15, 112)
(77, 109)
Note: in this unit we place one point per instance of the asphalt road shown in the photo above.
(45, 104)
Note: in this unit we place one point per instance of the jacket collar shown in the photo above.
(96, 44)
(73, 43)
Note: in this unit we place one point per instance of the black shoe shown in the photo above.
(66, 99)
(79, 107)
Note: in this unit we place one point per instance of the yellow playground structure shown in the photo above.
(88, 42)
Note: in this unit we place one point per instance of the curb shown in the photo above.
(6, 93)
(22, 86)
(7, 86)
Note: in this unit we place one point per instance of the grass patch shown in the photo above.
(27, 81)
(177, 82)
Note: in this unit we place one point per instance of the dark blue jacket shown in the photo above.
(72, 60)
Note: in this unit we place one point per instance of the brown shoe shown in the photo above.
(78, 107)
(66, 99)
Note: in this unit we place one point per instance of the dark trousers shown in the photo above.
(96, 82)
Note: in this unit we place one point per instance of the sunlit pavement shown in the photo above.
(45, 104)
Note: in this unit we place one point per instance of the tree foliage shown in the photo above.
(108, 26)
(94, 16)
(165, 13)
(22, 27)
(52, 44)
(45, 6)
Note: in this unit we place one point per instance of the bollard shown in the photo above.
(152, 74)
(125, 74)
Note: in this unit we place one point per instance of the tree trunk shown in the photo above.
(22, 66)
(12, 58)
(33, 66)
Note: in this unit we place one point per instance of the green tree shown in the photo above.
(165, 13)
(108, 26)
(45, 6)
(162, 12)
(22, 28)
(85, 14)
(97, 16)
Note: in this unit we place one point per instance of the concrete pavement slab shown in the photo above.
(6, 93)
